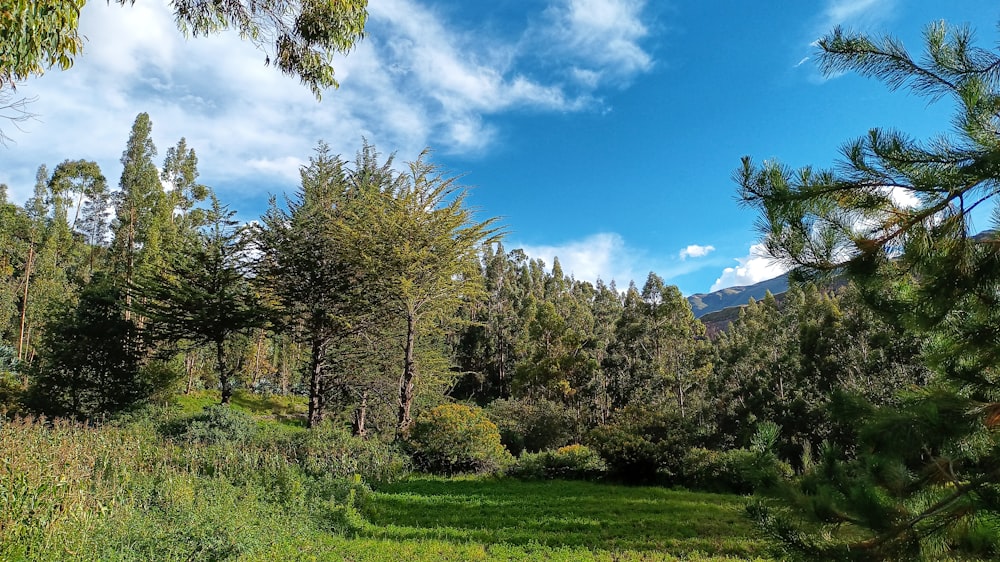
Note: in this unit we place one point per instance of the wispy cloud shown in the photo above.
(755, 267)
(853, 14)
(417, 80)
(696, 251)
(603, 37)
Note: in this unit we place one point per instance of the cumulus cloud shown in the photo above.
(416, 80)
(603, 255)
(608, 256)
(757, 266)
(696, 251)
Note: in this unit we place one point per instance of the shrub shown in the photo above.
(572, 462)
(531, 426)
(738, 470)
(213, 425)
(643, 446)
(329, 450)
(454, 438)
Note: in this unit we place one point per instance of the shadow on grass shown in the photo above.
(557, 514)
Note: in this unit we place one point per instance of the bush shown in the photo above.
(738, 471)
(454, 438)
(573, 462)
(329, 450)
(531, 426)
(643, 446)
(213, 425)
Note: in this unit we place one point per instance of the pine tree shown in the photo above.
(929, 471)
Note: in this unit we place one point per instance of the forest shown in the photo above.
(179, 384)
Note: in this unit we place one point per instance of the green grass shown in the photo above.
(124, 492)
(571, 517)
(287, 411)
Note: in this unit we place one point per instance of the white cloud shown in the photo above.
(604, 255)
(903, 197)
(757, 266)
(604, 36)
(851, 14)
(415, 81)
(696, 251)
(608, 256)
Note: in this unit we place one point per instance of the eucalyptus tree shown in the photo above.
(930, 466)
(137, 224)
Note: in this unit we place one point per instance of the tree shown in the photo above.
(417, 241)
(136, 228)
(930, 466)
(204, 296)
(88, 362)
(299, 37)
(302, 266)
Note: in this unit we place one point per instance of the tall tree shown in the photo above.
(136, 229)
(931, 465)
(302, 266)
(418, 242)
(204, 295)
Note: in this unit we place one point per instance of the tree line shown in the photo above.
(374, 291)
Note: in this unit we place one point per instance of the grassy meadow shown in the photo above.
(127, 491)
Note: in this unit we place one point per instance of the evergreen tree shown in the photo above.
(203, 296)
(302, 265)
(88, 362)
(929, 470)
(417, 243)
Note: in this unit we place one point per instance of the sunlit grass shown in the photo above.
(73, 492)
(579, 516)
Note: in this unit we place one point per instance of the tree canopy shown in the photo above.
(299, 37)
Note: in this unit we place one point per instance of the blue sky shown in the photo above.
(604, 132)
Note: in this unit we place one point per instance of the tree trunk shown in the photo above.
(406, 384)
(224, 379)
(24, 302)
(315, 413)
(189, 368)
(360, 415)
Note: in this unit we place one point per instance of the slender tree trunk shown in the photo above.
(189, 368)
(224, 379)
(257, 358)
(315, 413)
(24, 302)
(360, 415)
(406, 381)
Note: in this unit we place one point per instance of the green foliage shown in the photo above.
(37, 35)
(454, 438)
(737, 471)
(329, 450)
(930, 462)
(531, 426)
(572, 462)
(213, 425)
(89, 362)
(643, 446)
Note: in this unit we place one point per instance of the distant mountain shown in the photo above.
(705, 303)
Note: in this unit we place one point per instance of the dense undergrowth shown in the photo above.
(193, 483)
